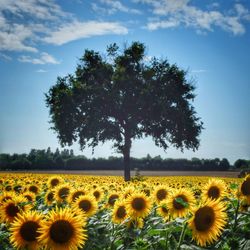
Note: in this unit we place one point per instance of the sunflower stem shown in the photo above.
(182, 236)
(236, 214)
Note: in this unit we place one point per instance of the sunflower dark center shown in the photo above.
(17, 188)
(28, 197)
(33, 189)
(213, 192)
(178, 205)
(96, 194)
(164, 210)
(77, 194)
(54, 182)
(112, 199)
(245, 187)
(138, 204)
(147, 192)
(61, 231)
(28, 231)
(63, 192)
(50, 196)
(8, 188)
(6, 198)
(85, 205)
(204, 218)
(12, 210)
(121, 212)
(161, 194)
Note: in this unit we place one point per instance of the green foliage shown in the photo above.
(122, 97)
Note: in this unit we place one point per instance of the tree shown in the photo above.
(241, 164)
(121, 97)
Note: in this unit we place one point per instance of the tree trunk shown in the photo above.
(126, 156)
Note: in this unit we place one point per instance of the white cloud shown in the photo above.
(5, 57)
(199, 71)
(26, 23)
(45, 58)
(114, 6)
(163, 24)
(13, 37)
(173, 13)
(22, 22)
(41, 9)
(41, 71)
(78, 30)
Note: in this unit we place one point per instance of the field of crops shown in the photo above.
(42, 211)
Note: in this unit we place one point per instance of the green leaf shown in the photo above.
(181, 202)
(234, 186)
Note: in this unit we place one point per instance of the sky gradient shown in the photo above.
(43, 39)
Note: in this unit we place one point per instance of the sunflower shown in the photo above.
(180, 202)
(112, 199)
(11, 208)
(34, 189)
(208, 221)
(49, 197)
(138, 205)
(18, 188)
(128, 191)
(6, 196)
(245, 187)
(86, 204)
(62, 192)
(162, 210)
(215, 189)
(31, 197)
(98, 194)
(119, 213)
(76, 193)
(244, 205)
(63, 230)
(54, 181)
(161, 193)
(135, 223)
(24, 230)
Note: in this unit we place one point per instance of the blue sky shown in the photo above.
(43, 39)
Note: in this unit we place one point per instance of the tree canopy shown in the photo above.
(121, 97)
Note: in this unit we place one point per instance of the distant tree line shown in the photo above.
(66, 160)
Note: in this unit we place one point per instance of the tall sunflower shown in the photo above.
(135, 223)
(138, 205)
(11, 208)
(76, 193)
(62, 192)
(98, 194)
(63, 230)
(24, 230)
(215, 189)
(112, 199)
(119, 213)
(86, 204)
(34, 188)
(6, 196)
(31, 197)
(160, 193)
(180, 202)
(163, 211)
(245, 187)
(208, 221)
(49, 197)
(54, 181)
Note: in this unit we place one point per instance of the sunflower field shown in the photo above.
(43, 211)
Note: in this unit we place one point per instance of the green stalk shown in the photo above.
(182, 236)
(236, 214)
